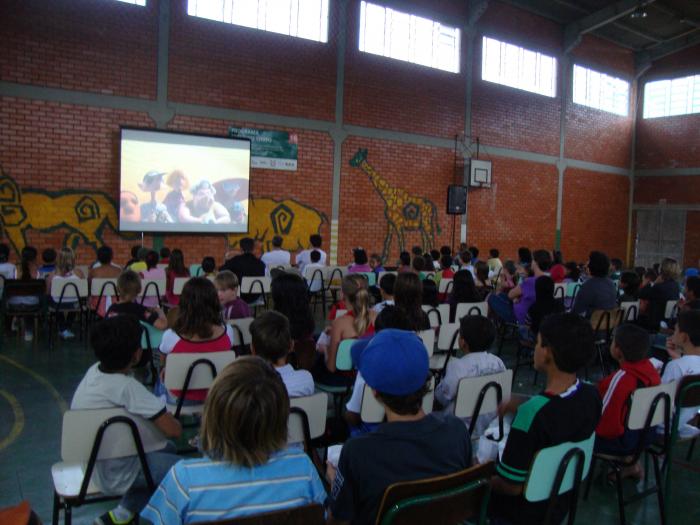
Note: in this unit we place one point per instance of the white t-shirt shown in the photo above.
(355, 402)
(275, 258)
(380, 306)
(315, 283)
(100, 390)
(474, 364)
(304, 257)
(683, 366)
(8, 270)
(299, 383)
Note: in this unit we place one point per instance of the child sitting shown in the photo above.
(247, 467)
(129, 287)
(567, 410)
(313, 272)
(629, 348)
(208, 267)
(233, 307)
(48, 257)
(272, 340)
(684, 348)
(108, 384)
(386, 289)
(7, 269)
(476, 335)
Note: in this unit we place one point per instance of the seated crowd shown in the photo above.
(244, 465)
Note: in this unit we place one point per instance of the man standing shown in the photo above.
(246, 265)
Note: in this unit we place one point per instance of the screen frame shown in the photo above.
(187, 133)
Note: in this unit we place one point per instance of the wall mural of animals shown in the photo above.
(83, 214)
(403, 211)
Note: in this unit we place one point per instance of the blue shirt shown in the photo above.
(197, 490)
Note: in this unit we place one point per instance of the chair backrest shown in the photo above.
(80, 428)
(372, 411)
(546, 465)
(446, 337)
(18, 288)
(178, 367)
(343, 359)
(444, 310)
(606, 320)
(162, 266)
(559, 290)
(152, 287)
(151, 337)
(195, 270)
(241, 330)
(572, 290)
(316, 409)
(428, 338)
(433, 315)
(630, 310)
(648, 405)
(454, 498)
(335, 274)
(472, 390)
(83, 269)
(371, 278)
(103, 287)
(445, 284)
(464, 309)
(71, 289)
(314, 277)
(258, 284)
(688, 392)
(382, 274)
(303, 515)
(179, 284)
(340, 312)
(671, 310)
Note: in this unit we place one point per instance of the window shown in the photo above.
(135, 2)
(301, 18)
(407, 37)
(665, 98)
(601, 91)
(518, 67)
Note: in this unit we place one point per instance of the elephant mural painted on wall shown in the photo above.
(84, 214)
(292, 220)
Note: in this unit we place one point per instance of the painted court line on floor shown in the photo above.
(62, 405)
(18, 424)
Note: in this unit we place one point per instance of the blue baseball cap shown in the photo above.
(394, 362)
(692, 272)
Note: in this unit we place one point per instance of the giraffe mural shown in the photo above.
(404, 212)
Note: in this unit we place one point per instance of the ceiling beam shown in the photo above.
(679, 16)
(575, 30)
(644, 59)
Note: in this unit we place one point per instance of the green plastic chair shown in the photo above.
(454, 498)
(371, 278)
(195, 270)
(557, 470)
(343, 362)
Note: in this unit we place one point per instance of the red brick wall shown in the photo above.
(102, 47)
(676, 190)
(692, 239)
(594, 214)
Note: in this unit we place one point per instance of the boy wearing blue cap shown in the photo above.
(410, 445)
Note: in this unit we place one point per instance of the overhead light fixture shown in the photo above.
(640, 12)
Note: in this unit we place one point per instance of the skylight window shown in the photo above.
(300, 18)
(601, 91)
(407, 37)
(135, 2)
(518, 67)
(666, 98)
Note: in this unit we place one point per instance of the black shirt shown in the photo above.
(245, 265)
(543, 421)
(436, 445)
(658, 295)
(140, 312)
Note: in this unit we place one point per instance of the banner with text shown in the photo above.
(275, 150)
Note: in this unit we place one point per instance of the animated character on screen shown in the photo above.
(204, 208)
(129, 209)
(174, 201)
(231, 193)
(154, 211)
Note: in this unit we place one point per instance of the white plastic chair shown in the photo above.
(152, 288)
(307, 419)
(372, 411)
(471, 309)
(630, 310)
(91, 435)
(67, 292)
(448, 341)
(671, 310)
(482, 395)
(428, 338)
(241, 330)
(193, 371)
(444, 284)
(256, 285)
(179, 284)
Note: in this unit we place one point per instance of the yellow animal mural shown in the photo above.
(84, 214)
(290, 219)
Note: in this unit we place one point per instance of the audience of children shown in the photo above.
(153, 272)
(65, 272)
(476, 335)
(272, 340)
(129, 288)
(654, 296)
(246, 264)
(408, 295)
(494, 262)
(598, 291)
(107, 384)
(629, 287)
(386, 289)
(232, 306)
(463, 291)
(247, 467)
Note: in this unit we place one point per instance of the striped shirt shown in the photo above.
(197, 490)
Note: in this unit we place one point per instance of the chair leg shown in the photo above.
(689, 455)
(56, 509)
(591, 472)
(659, 489)
(620, 496)
(68, 514)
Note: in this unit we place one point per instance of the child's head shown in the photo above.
(670, 269)
(386, 285)
(65, 261)
(200, 310)
(164, 253)
(616, 264)
(476, 333)
(687, 331)
(177, 262)
(494, 253)
(542, 259)
(277, 241)
(392, 317)
(135, 251)
(418, 264)
(435, 255)
(408, 292)
(208, 265)
(564, 343)
(245, 415)
(692, 288)
(375, 260)
(474, 251)
(151, 259)
(315, 240)
(417, 251)
(359, 255)
(446, 262)
(629, 282)
(598, 264)
(117, 343)
(128, 285)
(104, 255)
(226, 284)
(142, 253)
(405, 258)
(48, 256)
(247, 245)
(510, 268)
(4, 252)
(482, 271)
(271, 337)
(315, 256)
(630, 344)
(524, 255)
(572, 271)
(445, 250)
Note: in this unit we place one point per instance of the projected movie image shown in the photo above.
(173, 182)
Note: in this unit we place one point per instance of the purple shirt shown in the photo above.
(236, 309)
(356, 268)
(526, 299)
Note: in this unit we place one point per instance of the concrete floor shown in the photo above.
(36, 385)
